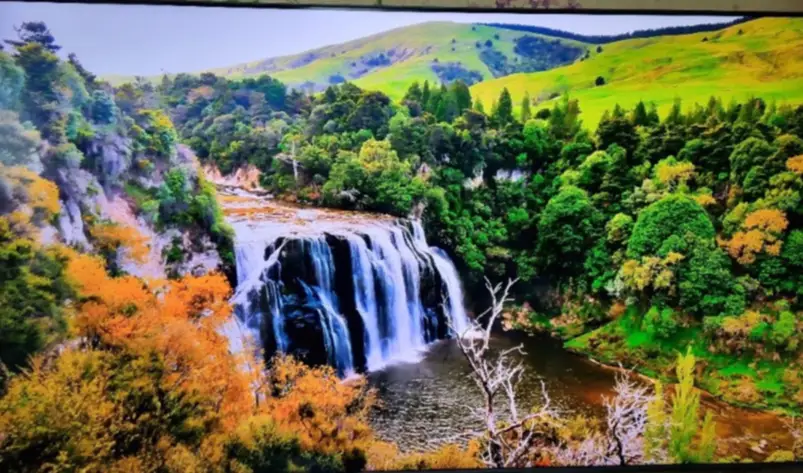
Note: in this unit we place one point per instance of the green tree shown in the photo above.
(461, 94)
(690, 441)
(426, 95)
(372, 113)
(376, 179)
(40, 96)
(503, 114)
(88, 77)
(19, 146)
(640, 117)
(34, 32)
(750, 153)
(12, 82)
(103, 109)
(567, 229)
(32, 290)
(525, 108)
(673, 215)
(617, 129)
(478, 106)
(414, 92)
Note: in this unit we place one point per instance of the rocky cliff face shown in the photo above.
(99, 193)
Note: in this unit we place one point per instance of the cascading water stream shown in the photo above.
(356, 294)
(363, 267)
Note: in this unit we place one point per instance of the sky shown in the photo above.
(149, 40)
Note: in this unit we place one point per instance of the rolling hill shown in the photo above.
(762, 58)
(391, 61)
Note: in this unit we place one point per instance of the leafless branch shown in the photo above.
(627, 420)
(509, 436)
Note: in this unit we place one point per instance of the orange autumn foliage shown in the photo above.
(795, 164)
(760, 232)
(109, 237)
(178, 320)
(769, 220)
(329, 414)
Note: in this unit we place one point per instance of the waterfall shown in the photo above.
(363, 268)
(354, 294)
(454, 288)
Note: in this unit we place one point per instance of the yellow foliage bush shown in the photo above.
(706, 200)
(651, 272)
(39, 198)
(760, 232)
(673, 174)
(445, 457)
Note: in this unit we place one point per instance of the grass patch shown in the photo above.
(738, 379)
(737, 369)
(638, 339)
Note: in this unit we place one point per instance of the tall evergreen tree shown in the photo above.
(414, 93)
(461, 94)
(426, 95)
(34, 32)
(526, 113)
(640, 117)
(478, 106)
(675, 116)
(88, 76)
(504, 108)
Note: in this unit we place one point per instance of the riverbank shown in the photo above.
(774, 436)
(742, 381)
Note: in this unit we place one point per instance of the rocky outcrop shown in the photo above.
(111, 155)
(246, 177)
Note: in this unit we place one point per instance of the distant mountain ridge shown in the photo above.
(438, 52)
(604, 39)
(392, 60)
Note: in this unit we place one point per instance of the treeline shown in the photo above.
(603, 39)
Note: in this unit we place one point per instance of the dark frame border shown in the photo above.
(426, 9)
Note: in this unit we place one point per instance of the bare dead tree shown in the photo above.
(795, 426)
(627, 420)
(509, 434)
(623, 441)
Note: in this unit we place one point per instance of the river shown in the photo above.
(426, 403)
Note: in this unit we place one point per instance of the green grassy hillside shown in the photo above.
(762, 58)
(392, 60)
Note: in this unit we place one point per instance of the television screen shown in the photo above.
(250, 240)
